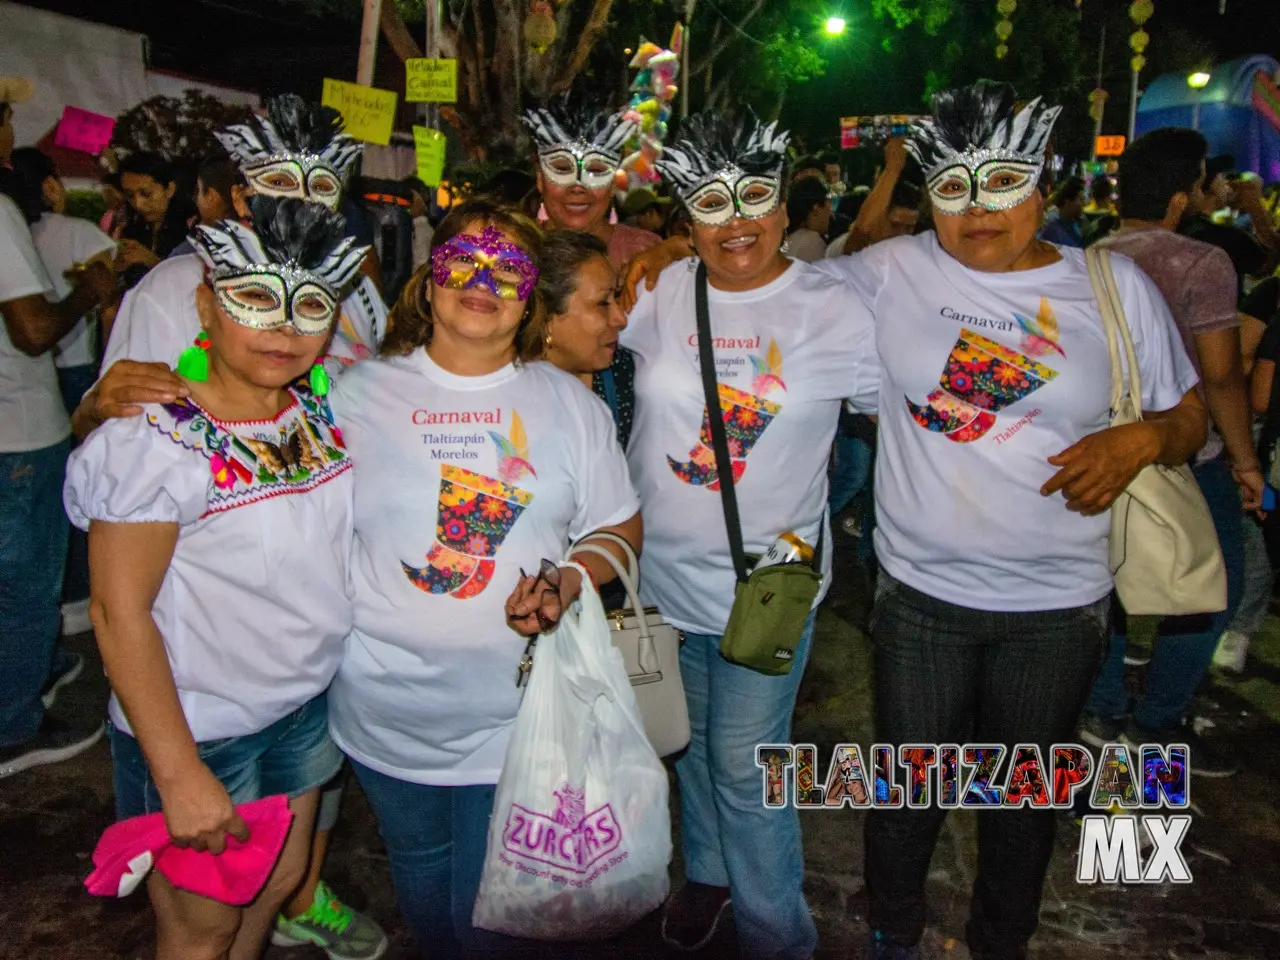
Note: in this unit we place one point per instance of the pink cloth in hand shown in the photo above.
(129, 849)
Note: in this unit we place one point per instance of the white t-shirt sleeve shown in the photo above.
(641, 332)
(806, 245)
(1166, 370)
(864, 273)
(126, 472)
(21, 272)
(605, 495)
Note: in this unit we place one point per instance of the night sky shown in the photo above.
(271, 48)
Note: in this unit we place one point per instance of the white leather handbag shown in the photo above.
(1164, 549)
(650, 649)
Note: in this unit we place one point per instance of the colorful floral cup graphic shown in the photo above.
(981, 378)
(745, 419)
(475, 514)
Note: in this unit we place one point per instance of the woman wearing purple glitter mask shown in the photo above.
(475, 464)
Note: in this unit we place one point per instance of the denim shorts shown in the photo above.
(292, 756)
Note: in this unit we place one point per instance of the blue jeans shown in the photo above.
(1184, 645)
(850, 471)
(33, 549)
(730, 839)
(292, 756)
(1255, 594)
(950, 674)
(435, 839)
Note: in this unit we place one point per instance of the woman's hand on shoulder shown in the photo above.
(198, 811)
(648, 264)
(129, 383)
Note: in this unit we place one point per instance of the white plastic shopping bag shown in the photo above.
(581, 833)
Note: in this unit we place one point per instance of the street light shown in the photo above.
(835, 26)
(1197, 82)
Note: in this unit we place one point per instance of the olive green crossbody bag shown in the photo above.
(771, 604)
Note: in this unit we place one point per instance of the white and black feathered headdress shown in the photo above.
(294, 129)
(579, 127)
(302, 241)
(979, 123)
(713, 147)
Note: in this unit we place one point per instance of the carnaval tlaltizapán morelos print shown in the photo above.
(475, 514)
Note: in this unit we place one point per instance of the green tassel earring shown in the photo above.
(319, 380)
(193, 362)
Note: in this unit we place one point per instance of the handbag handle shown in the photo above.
(1117, 331)
(649, 662)
(633, 565)
(715, 420)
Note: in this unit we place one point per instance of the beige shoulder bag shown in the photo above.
(1164, 549)
(650, 648)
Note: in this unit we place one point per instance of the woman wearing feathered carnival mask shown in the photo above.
(991, 611)
(220, 641)
(580, 147)
(788, 349)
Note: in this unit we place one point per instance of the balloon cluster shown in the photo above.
(651, 94)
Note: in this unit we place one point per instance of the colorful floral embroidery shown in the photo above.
(474, 515)
(248, 462)
(980, 378)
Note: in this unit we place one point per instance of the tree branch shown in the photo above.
(705, 63)
(595, 25)
(398, 36)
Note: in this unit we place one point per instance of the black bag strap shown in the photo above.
(715, 419)
(720, 440)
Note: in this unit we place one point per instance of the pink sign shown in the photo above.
(83, 130)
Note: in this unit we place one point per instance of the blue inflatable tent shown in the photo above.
(1239, 111)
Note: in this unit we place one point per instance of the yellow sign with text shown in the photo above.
(431, 81)
(429, 147)
(368, 113)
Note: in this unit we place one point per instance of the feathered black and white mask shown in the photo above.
(579, 143)
(979, 150)
(723, 169)
(290, 268)
(297, 150)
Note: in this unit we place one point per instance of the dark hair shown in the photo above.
(564, 253)
(409, 326)
(220, 174)
(852, 201)
(416, 186)
(1068, 190)
(1158, 166)
(26, 182)
(809, 162)
(508, 187)
(146, 164)
(905, 194)
(32, 164)
(802, 198)
(1102, 188)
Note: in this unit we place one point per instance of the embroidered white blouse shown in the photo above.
(254, 607)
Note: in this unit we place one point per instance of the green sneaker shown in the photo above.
(334, 927)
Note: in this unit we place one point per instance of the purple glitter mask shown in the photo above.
(488, 261)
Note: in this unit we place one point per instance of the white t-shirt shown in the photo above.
(460, 483)
(254, 607)
(32, 415)
(805, 244)
(787, 352)
(62, 242)
(986, 376)
(158, 319)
